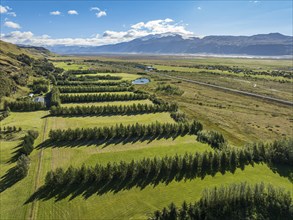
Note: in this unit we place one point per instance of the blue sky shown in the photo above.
(101, 22)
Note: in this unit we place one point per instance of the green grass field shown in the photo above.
(72, 66)
(125, 76)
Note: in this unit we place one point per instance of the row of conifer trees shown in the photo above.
(94, 78)
(125, 131)
(151, 171)
(76, 89)
(90, 83)
(112, 109)
(19, 106)
(235, 201)
(103, 97)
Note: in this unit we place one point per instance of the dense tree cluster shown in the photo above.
(92, 83)
(27, 145)
(125, 131)
(178, 116)
(94, 78)
(40, 86)
(24, 106)
(277, 152)
(55, 97)
(112, 109)
(52, 78)
(213, 138)
(103, 97)
(77, 89)
(22, 166)
(236, 201)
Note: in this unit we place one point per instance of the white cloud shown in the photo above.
(11, 24)
(7, 10)
(72, 12)
(141, 29)
(199, 8)
(55, 13)
(101, 14)
(3, 9)
(95, 8)
(13, 14)
(254, 2)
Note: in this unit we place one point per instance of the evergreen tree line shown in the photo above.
(27, 145)
(77, 89)
(235, 201)
(9, 129)
(77, 72)
(29, 105)
(94, 78)
(213, 138)
(103, 97)
(112, 109)
(153, 170)
(125, 131)
(91, 83)
(178, 116)
(55, 97)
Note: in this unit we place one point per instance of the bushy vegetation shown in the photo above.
(8, 86)
(236, 201)
(101, 97)
(29, 105)
(27, 145)
(125, 131)
(213, 138)
(169, 89)
(22, 166)
(40, 86)
(112, 109)
(55, 97)
(76, 89)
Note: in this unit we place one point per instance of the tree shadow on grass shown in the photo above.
(9, 179)
(105, 142)
(283, 170)
(16, 154)
(114, 185)
(104, 114)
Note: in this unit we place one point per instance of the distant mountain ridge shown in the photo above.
(273, 44)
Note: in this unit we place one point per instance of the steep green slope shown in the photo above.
(17, 64)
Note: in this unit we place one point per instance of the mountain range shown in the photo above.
(273, 44)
